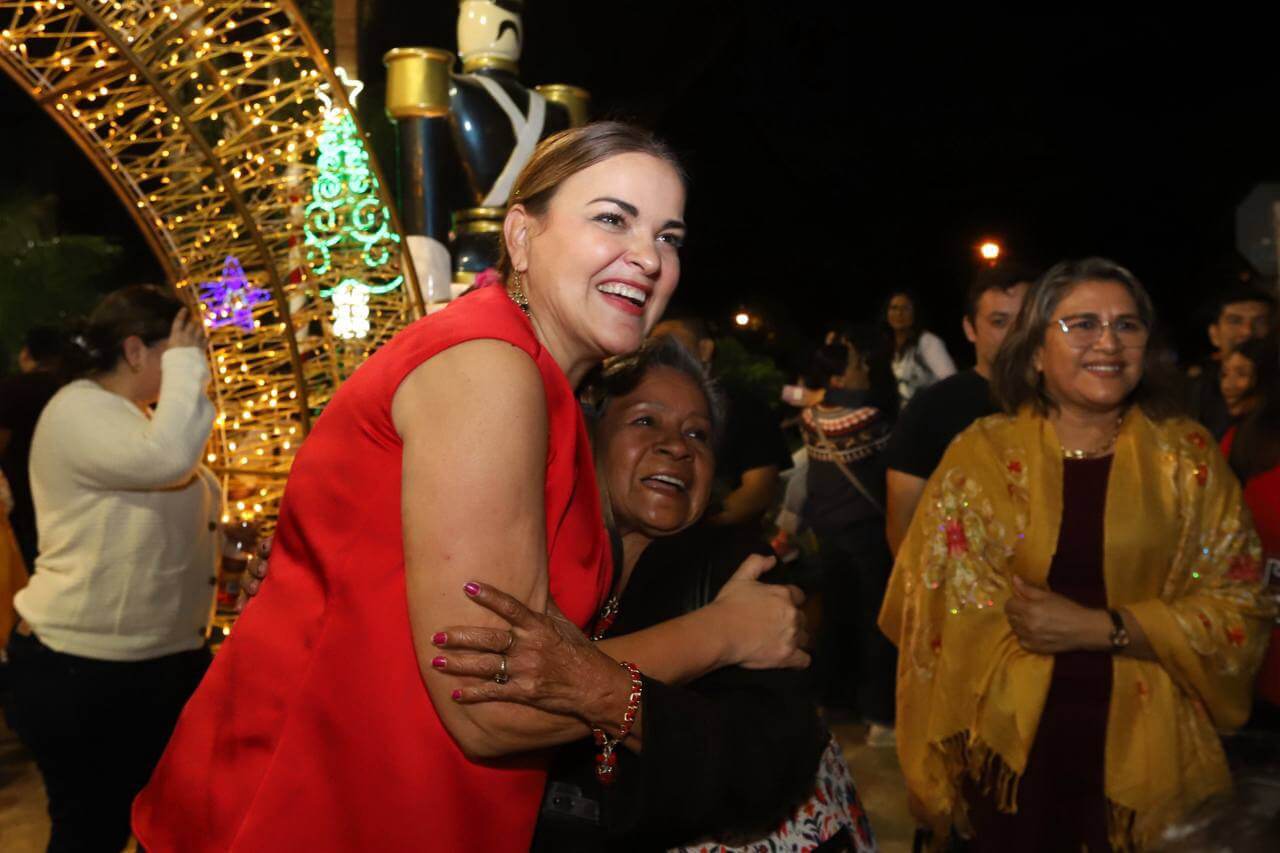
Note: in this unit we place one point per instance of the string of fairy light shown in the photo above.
(221, 127)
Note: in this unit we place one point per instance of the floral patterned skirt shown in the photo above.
(831, 809)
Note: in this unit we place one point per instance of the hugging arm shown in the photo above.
(552, 666)
(473, 511)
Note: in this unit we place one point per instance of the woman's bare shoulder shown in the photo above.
(473, 378)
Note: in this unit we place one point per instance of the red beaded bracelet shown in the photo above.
(606, 761)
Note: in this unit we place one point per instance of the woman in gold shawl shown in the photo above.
(1078, 603)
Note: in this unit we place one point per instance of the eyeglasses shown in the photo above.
(1085, 330)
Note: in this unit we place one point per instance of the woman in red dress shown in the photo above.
(457, 454)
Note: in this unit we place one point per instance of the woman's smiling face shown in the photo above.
(1238, 383)
(1101, 374)
(655, 454)
(600, 265)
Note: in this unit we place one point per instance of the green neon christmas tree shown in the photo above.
(346, 215)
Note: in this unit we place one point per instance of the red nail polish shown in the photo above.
(457, 694)
(440, 638)
(438, 662)
(471, 589)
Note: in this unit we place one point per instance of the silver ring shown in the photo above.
(501, 676)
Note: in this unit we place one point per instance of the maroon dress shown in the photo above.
(1061, 804)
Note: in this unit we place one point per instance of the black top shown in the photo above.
(733, 752)
(22, 399)
(752, 439)
(934, 417)
(1204, 398)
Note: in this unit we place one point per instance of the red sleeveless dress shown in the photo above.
(313, 730)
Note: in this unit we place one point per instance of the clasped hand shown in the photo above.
(550, 664)
(763, 621)
(1047, 623)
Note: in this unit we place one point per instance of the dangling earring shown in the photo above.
(516, 291)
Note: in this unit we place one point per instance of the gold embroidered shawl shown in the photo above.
(1180, 554)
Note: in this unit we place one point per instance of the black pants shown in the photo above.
(97, 729)
(855, 664)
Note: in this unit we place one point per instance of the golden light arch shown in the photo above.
(223, 130)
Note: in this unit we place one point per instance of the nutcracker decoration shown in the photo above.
(463, 138)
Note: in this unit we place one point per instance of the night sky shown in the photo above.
(834, 156)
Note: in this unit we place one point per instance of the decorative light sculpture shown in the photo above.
(350, 309)
(347, 215)
(206, 117)
(229, 301)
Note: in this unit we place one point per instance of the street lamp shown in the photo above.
(990, 251)
(742, 318)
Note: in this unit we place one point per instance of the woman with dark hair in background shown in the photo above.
(1245, 375)
(1252, 448)
(845, 436)
(920, 358)
(111, 639)
(1078, 603)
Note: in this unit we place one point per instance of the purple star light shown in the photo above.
(231, 299)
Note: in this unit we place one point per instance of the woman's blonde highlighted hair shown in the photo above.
(559, 157)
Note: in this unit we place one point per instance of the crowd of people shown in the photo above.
(1043, 580)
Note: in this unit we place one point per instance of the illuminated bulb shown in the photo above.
(742, 318)
(989, 250)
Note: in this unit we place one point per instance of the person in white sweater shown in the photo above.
(111, 641)
(920, 358)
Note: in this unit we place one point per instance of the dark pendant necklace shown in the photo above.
(604, 621)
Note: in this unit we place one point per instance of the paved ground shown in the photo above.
(24, 827)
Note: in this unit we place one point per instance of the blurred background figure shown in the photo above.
(1243, 312)
(940, 412)
(1251, 377)
(41, 364)
(13, 571)
(1243, 378)
(111, 638)
(920, 358)
(754, 452)
(845, 436)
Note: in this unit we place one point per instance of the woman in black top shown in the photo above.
(729, 756)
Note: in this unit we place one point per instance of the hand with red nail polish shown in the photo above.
(549, 663)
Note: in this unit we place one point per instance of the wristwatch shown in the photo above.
(1119, 633)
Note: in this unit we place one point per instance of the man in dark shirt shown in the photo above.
(942, 411)
(754, 451)
(22, 398)
(1243, 312)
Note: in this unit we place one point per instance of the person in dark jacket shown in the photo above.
(846, 435)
